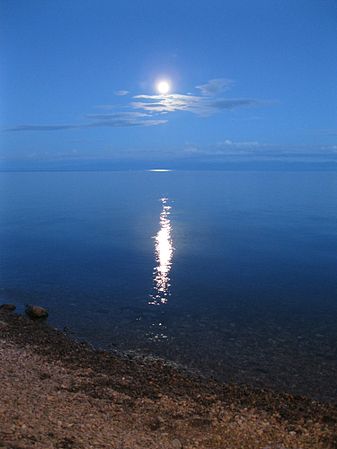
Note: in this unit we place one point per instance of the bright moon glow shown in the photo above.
(163, 87)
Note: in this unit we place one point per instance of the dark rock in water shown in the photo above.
(36, 311)
(7, 307)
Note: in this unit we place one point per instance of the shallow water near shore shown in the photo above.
(230, 273)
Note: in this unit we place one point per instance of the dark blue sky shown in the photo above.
(250, 81)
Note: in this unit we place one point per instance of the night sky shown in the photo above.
(250, 82)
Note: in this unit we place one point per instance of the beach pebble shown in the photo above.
(3, 325)
(176, 444)
(36, 311)
(8, 307)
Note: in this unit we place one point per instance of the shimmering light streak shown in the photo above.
(164, 253)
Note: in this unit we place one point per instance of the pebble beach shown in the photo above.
(57, 392)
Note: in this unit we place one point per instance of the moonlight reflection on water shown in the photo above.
(164, 253)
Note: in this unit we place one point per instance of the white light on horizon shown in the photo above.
(159, 170)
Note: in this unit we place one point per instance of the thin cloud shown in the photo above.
(42, 127)
(124, 122)
(199, 105)
(259, 149)
(208, 102)
(121, 93)
(108, 122)
(118, 115)
(166, 103)
(215, 86)
(146, 110)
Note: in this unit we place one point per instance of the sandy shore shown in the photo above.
(59, 393)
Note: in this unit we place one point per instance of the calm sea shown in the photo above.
(233, 274)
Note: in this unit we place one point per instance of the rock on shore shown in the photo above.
(36, 311)
(7, 307)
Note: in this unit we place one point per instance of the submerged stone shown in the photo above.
(36, 311)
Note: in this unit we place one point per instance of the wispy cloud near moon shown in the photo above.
(200, 105)
(215, 86)
(208, 102)
(146, 110)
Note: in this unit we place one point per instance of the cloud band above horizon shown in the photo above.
(147, 110)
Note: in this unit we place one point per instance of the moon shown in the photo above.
(163, 87)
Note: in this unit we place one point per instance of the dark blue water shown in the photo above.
(230, 273)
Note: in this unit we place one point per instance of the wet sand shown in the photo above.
(56, 392)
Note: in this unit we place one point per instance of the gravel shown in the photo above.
(56, 392)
